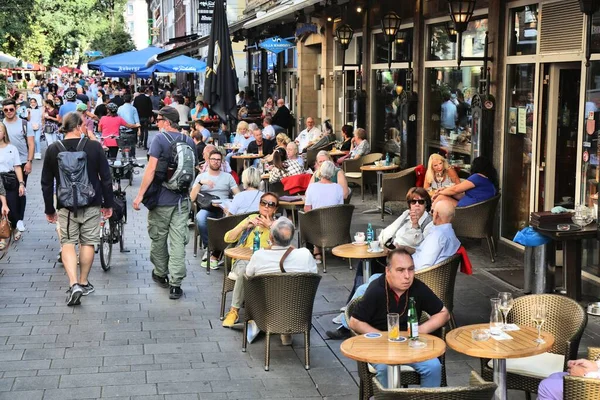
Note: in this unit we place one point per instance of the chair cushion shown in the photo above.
(540, 366)
(353, 175)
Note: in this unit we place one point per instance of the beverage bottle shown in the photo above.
(256, 243)
(231, 137)
(370, 233)
(413, 319)
(496, 320)
(387, 159)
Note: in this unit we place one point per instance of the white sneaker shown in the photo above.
(37, 156)
(338, 319)
(20, 226)
(232, 275)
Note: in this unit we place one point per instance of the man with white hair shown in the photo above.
(309, 136)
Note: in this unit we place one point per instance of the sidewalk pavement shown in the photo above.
(128, 340)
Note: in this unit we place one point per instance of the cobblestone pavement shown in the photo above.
(128, 340)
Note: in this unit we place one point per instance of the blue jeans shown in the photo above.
(201, 220)
(38, 135)
(430, 371)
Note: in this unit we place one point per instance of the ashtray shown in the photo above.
(416, 343)
(594, 308)
(563, 227)
(480, 335)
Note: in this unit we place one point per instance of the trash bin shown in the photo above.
(538, 263)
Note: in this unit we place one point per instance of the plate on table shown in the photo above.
(359, 243)
(375, 251)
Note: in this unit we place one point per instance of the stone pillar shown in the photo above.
(328, 100)
(307, 95)
(418, 56)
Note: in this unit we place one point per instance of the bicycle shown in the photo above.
(126, 143)
(112, 229)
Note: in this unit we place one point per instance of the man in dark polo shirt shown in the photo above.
(370, 314)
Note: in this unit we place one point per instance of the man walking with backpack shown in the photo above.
(164, 191)
(83, 191)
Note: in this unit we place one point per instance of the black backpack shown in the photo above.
(74, 189)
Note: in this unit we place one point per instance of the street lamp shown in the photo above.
(589, 8)
(461, 12)
(390, 23)
(344, 36)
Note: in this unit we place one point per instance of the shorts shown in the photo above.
(83, 229)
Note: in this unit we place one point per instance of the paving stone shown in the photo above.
(103, 379)
(36, 382)
(128, 390)
(73, 393)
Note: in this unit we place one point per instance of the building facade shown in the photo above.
(136, 22)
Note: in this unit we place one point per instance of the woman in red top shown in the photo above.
(109, 126)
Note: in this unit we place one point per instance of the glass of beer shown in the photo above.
(393, 321)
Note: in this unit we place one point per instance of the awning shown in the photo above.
(280, 11)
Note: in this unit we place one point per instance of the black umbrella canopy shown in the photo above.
(221, 83)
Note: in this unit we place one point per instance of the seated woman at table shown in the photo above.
(347, 135)
(439, 174)
(480, 186)
(323, 193)
(282, 167)
(243, 235)
(248, 200)
(281, 141)
(243, 137)
(269, 109)
(360, 147)
(291, 151)
(338, 176)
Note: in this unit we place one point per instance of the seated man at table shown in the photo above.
(267, 261)
(225, 167)
(552, 388)
(260, 145)
(309, 136)
(268, 130)
(389, 294)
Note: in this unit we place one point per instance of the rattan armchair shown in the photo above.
(478, 389)
(583, 388)
(326, 227)
(477, 222)
(311, 154)
(441, 278)
(565, 319)
(353, 172)
(394, 186)
(280, 303)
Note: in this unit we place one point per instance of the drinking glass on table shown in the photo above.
(393, 320)
(506, 303)
(538, 316)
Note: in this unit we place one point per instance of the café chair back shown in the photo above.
(580, 387)
(478, 389)
(353, 172)
(565, 319)
(477, 222)
(395, 185)
(280, 303)
(326, 227)
(311, 154)
(441, 279)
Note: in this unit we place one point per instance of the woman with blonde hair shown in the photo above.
(243, 137)
(281, 142)
(439, 174)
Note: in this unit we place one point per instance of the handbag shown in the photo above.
(205, 200)
(10, 180)
(49, 129)
(4, 228)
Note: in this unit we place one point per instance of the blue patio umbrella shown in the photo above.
(180, 64)
(131, 62)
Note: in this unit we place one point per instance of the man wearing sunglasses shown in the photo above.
(23, 139)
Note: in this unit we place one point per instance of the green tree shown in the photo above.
(114, 42)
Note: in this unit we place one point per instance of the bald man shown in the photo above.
(282, 118)
(441, 242)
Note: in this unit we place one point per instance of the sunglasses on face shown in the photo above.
(270, 204)
(8, 109)
(421, 202)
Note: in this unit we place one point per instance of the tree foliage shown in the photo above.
(114, 42)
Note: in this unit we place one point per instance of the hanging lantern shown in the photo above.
(461, 12)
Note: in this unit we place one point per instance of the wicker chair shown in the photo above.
(281, 303)
(478, 389)
(394, 186)
(353, 172)
(311, 154)
(477, 222)
(441, 279)
(565, 319)
(326, 227)
(583, 388)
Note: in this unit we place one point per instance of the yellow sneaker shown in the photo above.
(231, 319)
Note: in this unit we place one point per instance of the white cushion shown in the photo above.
(540, 366)
(353, 175)
(403, 368)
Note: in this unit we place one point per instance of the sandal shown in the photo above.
(17, 235)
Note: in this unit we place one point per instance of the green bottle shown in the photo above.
(413, 320)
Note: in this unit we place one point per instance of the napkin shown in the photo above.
(501, 336)
(511, 327)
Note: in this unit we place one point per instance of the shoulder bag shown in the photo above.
(4, 228)
(205, 200)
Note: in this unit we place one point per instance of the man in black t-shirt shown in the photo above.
(370, 314)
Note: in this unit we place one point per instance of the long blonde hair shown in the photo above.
(282, 138)
(6, 139)
(429, 175)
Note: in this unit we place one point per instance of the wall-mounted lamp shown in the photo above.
(589, 8)
(344, 36)
(390, 23)
(451, 32)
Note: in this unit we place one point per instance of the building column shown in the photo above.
(307, 95)
(497, 36)
(328, 101)
(418, 56)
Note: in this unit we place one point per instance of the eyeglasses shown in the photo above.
(420, 201)
(215, 159)
(271, 204)
(8, 109)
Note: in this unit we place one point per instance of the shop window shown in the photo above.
(518, 134)
(400, 51)
(595, 38)
(290, 59)
(448, 113)
(592, 108)
(524, 28)
(473, 41)
(353, 54)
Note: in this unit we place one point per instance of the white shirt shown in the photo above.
(266, 261)
(9, 158)
(268, 132)
(320, 194)
(307, 136)
(403, 232)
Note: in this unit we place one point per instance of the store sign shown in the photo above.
(275, 45)
(306, 29)
(205, 11)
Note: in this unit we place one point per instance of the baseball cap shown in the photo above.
(169, 113)
(81, 107)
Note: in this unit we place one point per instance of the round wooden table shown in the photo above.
(337, 153)
(393, 354)
(522, 345)
(359, 252)
(239, 253)
(246, 157)
(379, 169)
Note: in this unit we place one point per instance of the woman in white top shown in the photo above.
(248, 200)
(34, 116)
(11, 172)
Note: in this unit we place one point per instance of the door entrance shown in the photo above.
(558, 118)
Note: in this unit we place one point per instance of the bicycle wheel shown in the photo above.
(106, 243)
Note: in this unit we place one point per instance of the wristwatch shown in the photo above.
(29, 161)
(22, 183)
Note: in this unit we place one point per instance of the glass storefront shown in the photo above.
(473, 39)
(400, 51)
(591, 170)
(524, 28)
(518, 148)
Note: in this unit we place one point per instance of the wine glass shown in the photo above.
(538, 316)
(506, 303)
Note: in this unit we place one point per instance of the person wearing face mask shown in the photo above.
(34, 118)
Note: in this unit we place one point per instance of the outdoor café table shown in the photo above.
(380, 169)
(394, 354)
(571, 242)
(292, 205)
(359, 252)
(246, 157)
(239, 253)
(521, 345)
(337, 153)
(265, 177)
